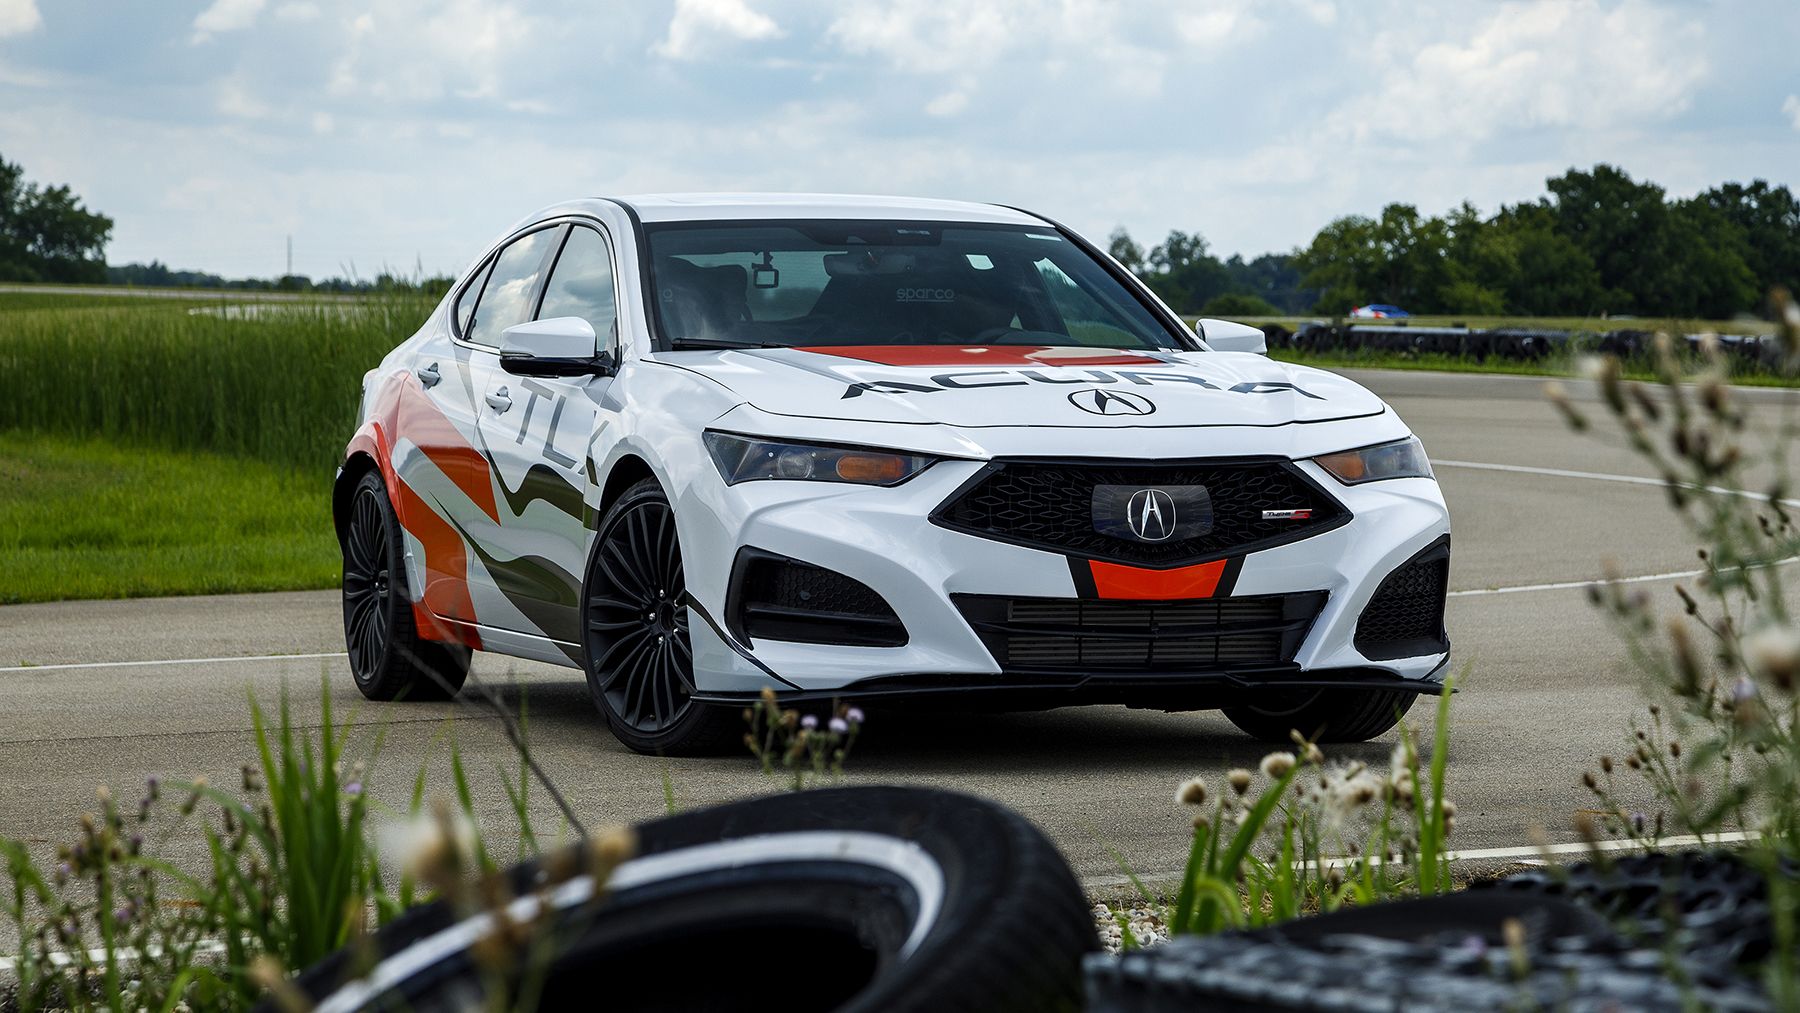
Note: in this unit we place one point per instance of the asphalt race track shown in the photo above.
(96, 693)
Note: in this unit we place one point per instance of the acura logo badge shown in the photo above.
(1151, 514)
(1111, 402)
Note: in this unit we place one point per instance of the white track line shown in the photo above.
(1525, 852)
(1598, 476)
(174, 661)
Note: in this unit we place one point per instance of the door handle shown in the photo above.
(429, 376)
(499, 401)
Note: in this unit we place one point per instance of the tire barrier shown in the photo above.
(1657, 932)
(833, 899)
(1510, 343)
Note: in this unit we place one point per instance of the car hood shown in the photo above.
(1030, 386)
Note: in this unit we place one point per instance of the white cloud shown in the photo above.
(1578, 64)
(421, 50)
(322, 123)
(1792, 108)
(18, 17)
(1219, 24)
(698, 21)
(226, 16)
(948, 104)
(1112, 47)
(237, 100)
(297, 13)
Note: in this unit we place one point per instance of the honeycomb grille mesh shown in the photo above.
(1050, 506)
(1407, 611)
(794, 585)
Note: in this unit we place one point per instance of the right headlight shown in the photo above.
(1399, 459)
(748, 459)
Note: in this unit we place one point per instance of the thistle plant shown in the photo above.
(1717, 749)
(1318, 834)
(800, 744)
(291, 872)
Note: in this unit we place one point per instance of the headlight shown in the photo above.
(747, 459)
(1400, 459)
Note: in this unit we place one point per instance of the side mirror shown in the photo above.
(559, 346)
(1226, 336)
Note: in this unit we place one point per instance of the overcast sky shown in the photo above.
(401, 131)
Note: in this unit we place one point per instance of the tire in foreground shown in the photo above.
(879, 898)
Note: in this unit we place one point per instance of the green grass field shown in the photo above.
(149, 449)
(92, 519)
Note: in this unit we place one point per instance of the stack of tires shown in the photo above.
(1649, 933)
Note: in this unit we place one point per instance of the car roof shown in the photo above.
(683, 207)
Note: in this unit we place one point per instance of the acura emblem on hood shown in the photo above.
(1111, 402)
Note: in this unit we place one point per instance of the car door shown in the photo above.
(537, 430)
(452, 509)
(444, 494)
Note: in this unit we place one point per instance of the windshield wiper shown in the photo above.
(687, 344)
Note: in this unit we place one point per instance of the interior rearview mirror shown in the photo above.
(558, 346)
(1226, 336)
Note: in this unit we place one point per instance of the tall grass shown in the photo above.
(281, 386)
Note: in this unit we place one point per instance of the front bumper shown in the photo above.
(883, 538)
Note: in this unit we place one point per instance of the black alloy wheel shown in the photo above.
(640, 660)
(388, 657)
(368, 583)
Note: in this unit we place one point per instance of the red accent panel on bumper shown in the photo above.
(1114, 580)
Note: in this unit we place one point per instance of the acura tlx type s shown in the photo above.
(876, 449)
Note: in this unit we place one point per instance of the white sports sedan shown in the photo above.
(876, 449)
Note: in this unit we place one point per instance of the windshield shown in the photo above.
(773, 284)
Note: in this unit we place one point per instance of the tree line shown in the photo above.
(45, 233)
(1598, 243)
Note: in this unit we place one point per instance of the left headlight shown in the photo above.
(1400, 459)
(749, 459)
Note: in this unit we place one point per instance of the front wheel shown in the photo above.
(1324, 715)
(639, 660)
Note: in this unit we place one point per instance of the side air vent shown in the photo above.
(776, 598)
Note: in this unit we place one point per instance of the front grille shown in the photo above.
(1082, 635)
(1051, 506)
(1405, 618)
(777, 598)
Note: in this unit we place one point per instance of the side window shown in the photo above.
(506, 299)
(581, 285)
(465, 303)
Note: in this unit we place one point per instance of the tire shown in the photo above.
(388, 657)
(1325, 715)
(857, 899)
(636, 652)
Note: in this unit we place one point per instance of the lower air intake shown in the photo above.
(1405, 619)
(1054, 635)
(777, 598)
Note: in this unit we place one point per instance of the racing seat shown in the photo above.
(702, 302)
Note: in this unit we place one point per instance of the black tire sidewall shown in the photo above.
(1009, 935)
(371, 484)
